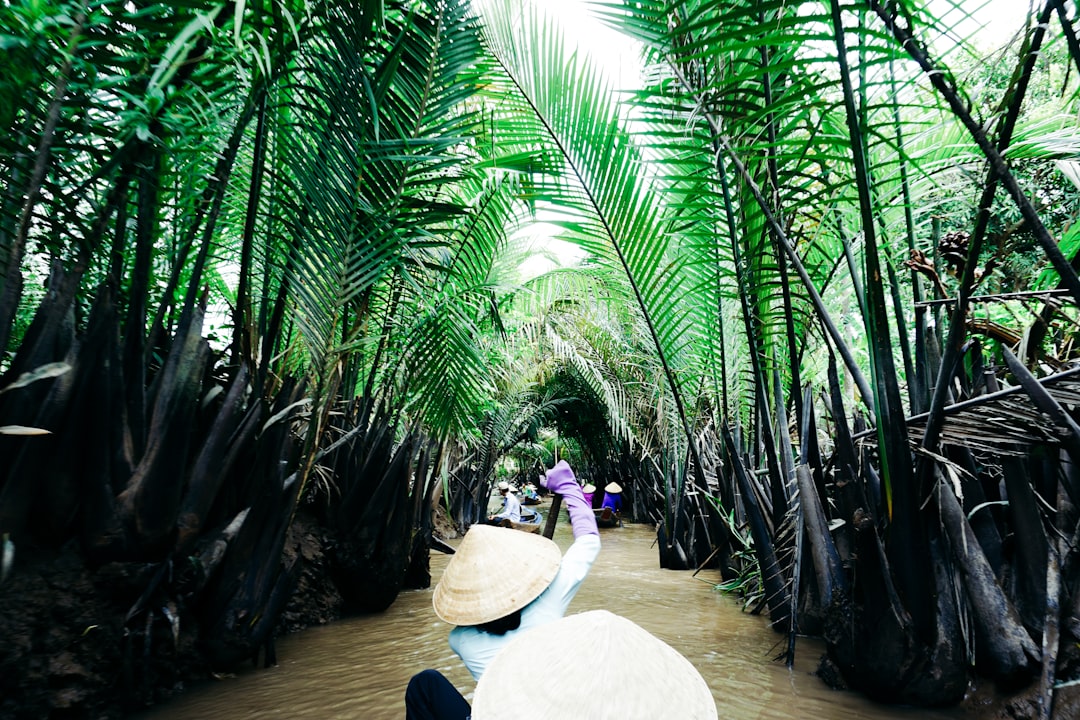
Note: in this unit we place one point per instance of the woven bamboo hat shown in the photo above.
(589, 488)
(613, 487)
(654, 680)
(477, 585)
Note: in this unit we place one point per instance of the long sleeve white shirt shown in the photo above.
(477, 648)
(512, 511)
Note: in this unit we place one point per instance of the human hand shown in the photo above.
(559, 478)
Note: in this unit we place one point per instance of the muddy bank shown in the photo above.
(77, 642)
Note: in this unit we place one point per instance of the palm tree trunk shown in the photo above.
(781, 258)
(1003, 650)
(906, 535)
(776, 592)
(241, 344)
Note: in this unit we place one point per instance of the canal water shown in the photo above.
(357, 668)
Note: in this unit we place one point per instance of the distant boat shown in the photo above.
(607, 518)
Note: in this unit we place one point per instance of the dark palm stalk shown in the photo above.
(828, 568)
(209, 208)
(119, 243)
(232, 428)
(753, 335)
(1013, 101)
(241, 344)
(384, 337)
(792, 505)
(776, 591)
(1051, 639)
(899, 319)
(724, 408)
(153, 494)
(853, 268)
(916, 374)
(1068, 31)
(146, 223)
(273, 333)
(1006, 651)
(901, 494)
(1031, 543)
(40, 338)
(781, 260)
(832, 331)
(11, 290)
(219, 186)
(957, 326)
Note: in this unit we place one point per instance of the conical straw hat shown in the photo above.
(589, 488)
(653, 679)
(612, 488)
(493, 573)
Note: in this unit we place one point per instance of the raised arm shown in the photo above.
(560, 479)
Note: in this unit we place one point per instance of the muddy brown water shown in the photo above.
(357, 668)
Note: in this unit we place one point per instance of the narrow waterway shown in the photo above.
(357, 669)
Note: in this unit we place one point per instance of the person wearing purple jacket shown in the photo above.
(489, 606)
(587, 492)
(613, 497)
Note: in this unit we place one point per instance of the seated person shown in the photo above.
(490, 606)
(529, 493)
(511, 506)
(613, 497)
(588, 491)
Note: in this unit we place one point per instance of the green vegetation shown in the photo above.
(263, 260)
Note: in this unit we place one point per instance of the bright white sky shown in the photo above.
(996, 20)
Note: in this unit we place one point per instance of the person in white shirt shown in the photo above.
(512, 506)
(489, 606)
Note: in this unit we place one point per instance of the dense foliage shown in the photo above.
(265, 259)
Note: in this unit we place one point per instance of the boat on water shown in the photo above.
(529, 522)
(607, 518)
(529, 495)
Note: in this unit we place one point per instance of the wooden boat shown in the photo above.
(530, 500)
(529, 523)
(607, 518)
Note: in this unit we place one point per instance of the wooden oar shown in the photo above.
(553, 515)
(442, 546)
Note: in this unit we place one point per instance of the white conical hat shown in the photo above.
(493, 573)
(612, 487)
(589, 488)
(653, 679)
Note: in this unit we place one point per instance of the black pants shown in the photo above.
(430, 696)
